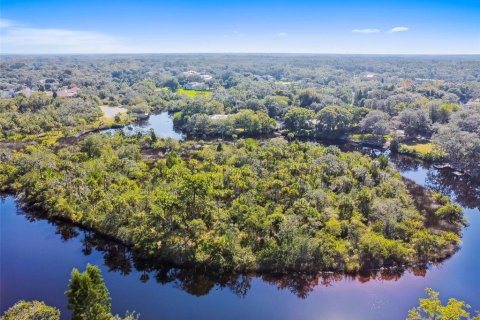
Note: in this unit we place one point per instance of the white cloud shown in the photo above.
(281, 34)
(19, 39)
(366, 31)
(5, 23)
(398, 29)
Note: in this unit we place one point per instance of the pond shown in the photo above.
(37, 257)
(161, 123)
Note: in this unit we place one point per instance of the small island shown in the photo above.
(246, 205)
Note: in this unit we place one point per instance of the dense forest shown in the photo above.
(255, 186)
(240, 206)
(423, 106)
(243, 204)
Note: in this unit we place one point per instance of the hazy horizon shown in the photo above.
(246, 54)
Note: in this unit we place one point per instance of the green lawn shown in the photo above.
(194, 93)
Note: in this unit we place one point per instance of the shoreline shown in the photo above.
(415, 190)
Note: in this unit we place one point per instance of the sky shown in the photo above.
(233, 26)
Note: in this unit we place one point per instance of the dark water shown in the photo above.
(37, 258)
(161, 123)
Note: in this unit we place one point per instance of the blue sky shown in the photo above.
(141, 26)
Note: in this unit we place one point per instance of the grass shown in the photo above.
(367, 136)
(426, 151)
(47, 138)
(190, 93)
(361, 136)
(194, 93)
(422, 148)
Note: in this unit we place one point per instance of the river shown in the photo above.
(37, 257)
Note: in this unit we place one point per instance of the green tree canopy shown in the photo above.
(297, 119)
(431, 308)
(334, 119)
(88, 297)
(31, 310)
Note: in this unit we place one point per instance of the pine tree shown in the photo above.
(88, 297)
(153, 136)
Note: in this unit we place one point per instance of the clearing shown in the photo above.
(111, 112)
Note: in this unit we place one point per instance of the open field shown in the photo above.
(194, 93)
(111, 112)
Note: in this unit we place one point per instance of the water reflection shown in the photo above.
(118, 258)
(161, 123)
(461, 188)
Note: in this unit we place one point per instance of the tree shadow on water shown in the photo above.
(200, 282)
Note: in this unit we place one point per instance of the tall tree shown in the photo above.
(333, 119)
(376, 122)
(308, 97)
(172, 84)
(415, 122)
(297, 119)
(88, 297)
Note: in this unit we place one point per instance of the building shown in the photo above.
(206, 77)
(68, 92)
(473, 103)
(219, 117)
(190, 73)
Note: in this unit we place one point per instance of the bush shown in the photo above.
(453, 213)
(31, 310)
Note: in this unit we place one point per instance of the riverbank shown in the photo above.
(158, 289)
(72, 203)
(422, 197)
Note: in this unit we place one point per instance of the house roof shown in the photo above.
(68, 92)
